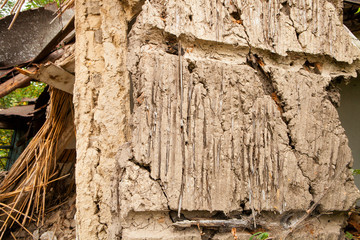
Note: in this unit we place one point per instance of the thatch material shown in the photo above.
(23, 192)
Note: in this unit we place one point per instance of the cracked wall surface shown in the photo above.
(210, 109)
(101, 107)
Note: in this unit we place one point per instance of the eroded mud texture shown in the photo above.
(211, 109)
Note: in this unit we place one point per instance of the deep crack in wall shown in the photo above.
(228, 113)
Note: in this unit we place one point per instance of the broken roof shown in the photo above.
(21, 111)
(33, 40)
(16, 117)
(31, 33)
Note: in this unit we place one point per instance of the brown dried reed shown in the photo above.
(23, 191)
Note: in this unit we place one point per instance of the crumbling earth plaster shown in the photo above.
(215, 109)
(101, 102)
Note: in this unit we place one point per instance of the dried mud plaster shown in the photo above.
(214, 109)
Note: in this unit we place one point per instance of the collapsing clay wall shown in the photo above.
(211, 109)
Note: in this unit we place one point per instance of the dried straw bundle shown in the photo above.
(24, 189)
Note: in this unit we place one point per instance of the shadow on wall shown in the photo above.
(349, 112)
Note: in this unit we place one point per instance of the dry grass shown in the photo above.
(23, 191)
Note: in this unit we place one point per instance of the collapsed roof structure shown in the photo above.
(37, 48)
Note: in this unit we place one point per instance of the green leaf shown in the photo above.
(260, 235)
(252, 236)
(349, 236)
(5, 11)
(263, 236)
(358, 11)
(255, 235)
(38, 3)
(355, 171)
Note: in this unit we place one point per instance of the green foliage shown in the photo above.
(38, 3)
(5, 140)
(10, 100)
(355, 171)
(349, 236)
(358, 11)
(7, 8)
(29, 4)
(259, 236)
(14, 98)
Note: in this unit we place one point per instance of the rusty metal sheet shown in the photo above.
(31, 33)
(16, 117)
(20, 111)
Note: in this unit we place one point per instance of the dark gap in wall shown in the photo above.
(163, 14)
(257, 63)
(143, 166)
(191, 66)
(174, 216)
(285, 8)
(207, 234)
(135, 11)
(172, 45)
(313, 67)
(132, 22)
(291, 143)
(131, 93)
(311, 190)
(235, 15)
